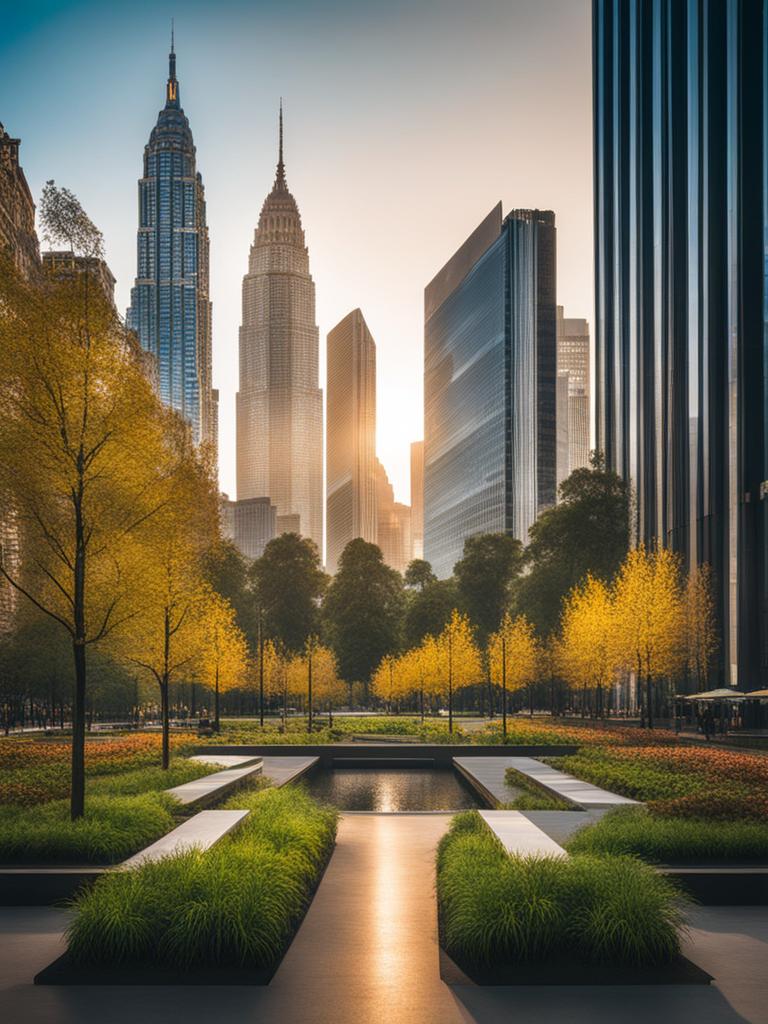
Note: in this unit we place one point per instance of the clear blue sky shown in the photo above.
(405, 123)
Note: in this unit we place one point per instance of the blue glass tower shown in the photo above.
(170, 309)
(681, 237)
(489, 385)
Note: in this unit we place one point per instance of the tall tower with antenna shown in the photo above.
(279, 404)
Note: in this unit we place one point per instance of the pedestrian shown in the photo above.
(708, 720)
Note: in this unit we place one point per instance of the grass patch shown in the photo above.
(150, 780)
(533, 797)
(237, 904)
(501, 909)
(639, 832)
(112, 828)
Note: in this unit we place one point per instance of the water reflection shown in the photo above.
(393, 789)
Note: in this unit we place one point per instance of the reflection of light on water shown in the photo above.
(388, 794)
(391, 790)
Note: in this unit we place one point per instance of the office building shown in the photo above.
(279, 403)
(681, 191)
(170, 309)
(490, 385)
(350, 448)
(417, 499)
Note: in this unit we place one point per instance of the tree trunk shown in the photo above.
(216, 717)
(77, 793)
(261, 675)
(450, 685)
(649, 700)
(164, 717)
(309, 692)
(504, 688)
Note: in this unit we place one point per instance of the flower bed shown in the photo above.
(236, 905)
(34, 771)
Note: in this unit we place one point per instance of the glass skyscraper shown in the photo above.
(170, 308)
(681, 240)
(350, 450)
(489, 385)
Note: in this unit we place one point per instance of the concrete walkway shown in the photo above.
(282, 770)
(367, 954)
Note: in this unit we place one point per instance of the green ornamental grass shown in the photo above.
(501, 909)
(236, 904)
(636, 831)
(112, 828)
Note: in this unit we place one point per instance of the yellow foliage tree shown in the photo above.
(81, 463)
(312, 675)
(457, 659)
(587, 652)
(224, 652)
(700, 623)
(513, 658)
(649, 618)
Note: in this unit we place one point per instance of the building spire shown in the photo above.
(280, 179)
(172, 88)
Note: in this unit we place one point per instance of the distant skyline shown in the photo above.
(405, 123)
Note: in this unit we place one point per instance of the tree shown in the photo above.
(312, 675)
(226, 570)
(587, 532)
(458, 660)
(168, 629)
(587, 652)
(484, 577)
(649, 618)
(700, 623)
(224, 652)
(363, 610)
(81, 465)
(428, 610)
(418, 574)
(288, 582)
(513, 658)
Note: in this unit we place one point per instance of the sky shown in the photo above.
(406, 121)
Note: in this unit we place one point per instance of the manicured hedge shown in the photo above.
(500, 909)
(237, 904)
(637, 831)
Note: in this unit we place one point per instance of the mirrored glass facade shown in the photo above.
(489, 385)
(170, 309)
(680, 261)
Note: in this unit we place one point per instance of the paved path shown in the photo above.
(202, 831)
(367, 954)
(282, 770)
(211, 788)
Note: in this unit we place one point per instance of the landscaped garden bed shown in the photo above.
(533, 797)
(507, 919)
(225, 916)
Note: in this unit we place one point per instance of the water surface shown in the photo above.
(393, 789)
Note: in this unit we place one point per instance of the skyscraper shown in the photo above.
(489, 385)
(17, 209)
(170, 310)
(573, 361)
(250, 523)
(417, 499)
(681, 194)
(393, 523)
(279, 404)
(350, 449)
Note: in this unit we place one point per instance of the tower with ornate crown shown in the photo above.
(279, 404)
(170, 307)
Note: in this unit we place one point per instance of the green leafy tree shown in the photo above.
(428, 610)
(491, 562)
(418, 574)
(587, 533)
(363, 610)
(288, 583)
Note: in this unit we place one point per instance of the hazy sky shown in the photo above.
(405, 123)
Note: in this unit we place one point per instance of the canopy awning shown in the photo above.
(757, 693)
(724, 693)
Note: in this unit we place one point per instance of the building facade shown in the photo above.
(490, 385)
(64, 264)
(573, 361)
(393, 523)
(350, 431)
(250, 523)
(279, 404)
(417, 499)
(17, 209)
(170, 309)
(681, 191)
